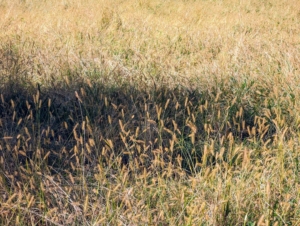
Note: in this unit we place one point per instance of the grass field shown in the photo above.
(140, 112)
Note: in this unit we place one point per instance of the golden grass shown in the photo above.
(147, 112)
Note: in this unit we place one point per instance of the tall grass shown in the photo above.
(149, 112)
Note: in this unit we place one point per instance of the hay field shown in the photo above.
(140, 112)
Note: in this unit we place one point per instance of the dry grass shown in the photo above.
(147, 112)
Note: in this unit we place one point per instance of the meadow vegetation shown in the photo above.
(149, 112)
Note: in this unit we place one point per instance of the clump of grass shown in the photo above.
(103, 141)
(111, 117)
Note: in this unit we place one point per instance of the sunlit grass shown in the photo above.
(149, 112)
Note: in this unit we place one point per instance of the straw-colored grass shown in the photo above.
(147, 112)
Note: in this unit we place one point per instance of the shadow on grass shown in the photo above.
(81, 122)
